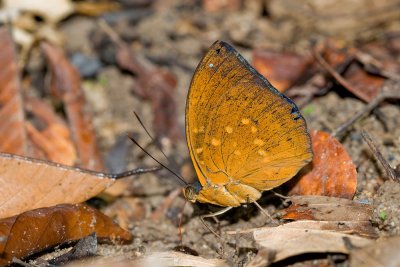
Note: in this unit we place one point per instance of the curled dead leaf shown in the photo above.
(288, 240)
(282, 69)
(40, 229)
(331, 173)
(65, 84)
(13, 137)
(29, 184)
(327, 209)
(384, 252)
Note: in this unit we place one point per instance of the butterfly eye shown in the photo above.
(189, 193)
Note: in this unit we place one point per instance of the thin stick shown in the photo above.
(263, 211)
(387, 92)
(336, 75)
(156, 215)
(390, 171)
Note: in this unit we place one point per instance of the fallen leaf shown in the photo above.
(360, 83)
(13, 136)
(106, 261)
(337, 214)
(377, 57)
(155, 85)
(360, 228)
(384, 252)
(263, 258)
(65, 84)
(282, 69)
(327, 209)
(27, 184)
(96, 8)
(54, 138)
(53, 11)
(287, 240)
(171, 258)
(17, 134)
(221, 5)
(336, 54)
(86, 247)
(44, 228)
(331, 173)
(126, 210)
(367, 86)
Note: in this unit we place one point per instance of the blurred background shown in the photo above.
(74, 72)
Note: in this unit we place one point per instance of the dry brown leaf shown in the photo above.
(40, 229)
(96, 8)
(65, 84)
(282, 69)
(331, 173)
(27, 184)
(339, 214)
(360, 83)
(53, 11)
(105, 261)
(327, 209)
(287, 241)
(220, 5)
(126, 210)
(360, 228)
(54, 137)
(155, 85)
(384, 253)
(172, 258)
(13, 137)
(367, 86)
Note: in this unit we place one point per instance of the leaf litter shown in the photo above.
(53, 226)
(325, 89)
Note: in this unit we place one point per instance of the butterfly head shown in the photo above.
(191, 191)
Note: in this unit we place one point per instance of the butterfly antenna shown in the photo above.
(151, 137)
(148, 154)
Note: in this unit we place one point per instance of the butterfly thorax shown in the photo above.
(231, 194)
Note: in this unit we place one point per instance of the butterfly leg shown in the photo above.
(263, 211)
(213, 216)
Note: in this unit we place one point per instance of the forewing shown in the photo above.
(240, 128)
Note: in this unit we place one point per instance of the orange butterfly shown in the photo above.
(244, 136)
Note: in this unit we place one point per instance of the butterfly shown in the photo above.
(244, 136)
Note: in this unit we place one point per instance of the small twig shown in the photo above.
(370, 62)
(160, 211)
(109, 31)
(391, 172)
(387, 92)
(22, 263)
(339, 78)
(86, 247)
(266, 213)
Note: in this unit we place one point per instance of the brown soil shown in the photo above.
(175, 38)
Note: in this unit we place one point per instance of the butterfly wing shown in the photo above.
(240, 130)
